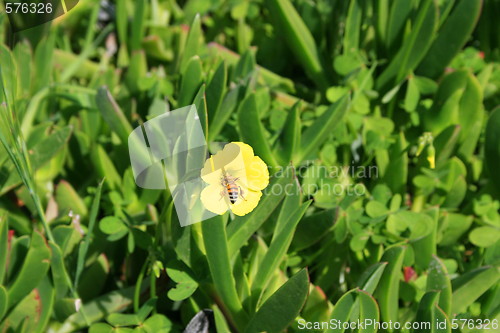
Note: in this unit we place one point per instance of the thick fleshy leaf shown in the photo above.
(299, 39)
(278, 248)
(98, 309)
(252, 131)
(452, 36)
(192, 78)
(414, 47)
(216, 89)
(4, 301)
(215, 240)
(4, 236)
(388, 289)
(242, 228)
(322, 128)
(492, 148)
(34, 269)
(186, 285)
(371, 277)
(290, 138)
(428, 312)
(112, 114)
(470, 286)
(439, 280)
(282, 307)
(192, 43)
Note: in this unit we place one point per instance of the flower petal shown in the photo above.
(256, 169)
(257, 174)
(245, 206)
(227, 159)
(212, 200)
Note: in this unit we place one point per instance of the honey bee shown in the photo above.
(232, 190)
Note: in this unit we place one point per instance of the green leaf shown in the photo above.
(84, 246)
(8, 73)
(396, 173)
(121, 21)
(470, 286)
(25, 314)
(414, 47)
(322, 128)
(186, 285)
(445, 144)
(290, 138)
(388, 289)
(425, 85)
(456, 225)
(398, 18)
(35, 267)
(426, 313)
(353, 306)
(452, 36)
(368, 311)
(216, 245)
(200, 102)
(101, 328)
(192, 44)
(458, 101)
(438, 280)
(59, 274)
(376, 209)
(136, 72)
(245, 67)
(43, 62)
(353, 26)
(412, 95)
(492, 148)
(278, 248)
(381, 10)
(370, 278)
(426, 245)
(252, 131)
(242, 228)
(112, 114)
(216, 89)
(111, 225)
(484, 236)
(138, 24)
(157, 323)
(120, 319)
(98, 309)
(68, 200)
(46, 295)
(440, 318)
(420, 225)
(282, 307)
(93, 278)
(146, 309)
(225, 111)
(4, 236)
(220, 321)
(192, 78)
(104, 167)
(313, 228)
(299, 39)
(4, 302)
(342, 310)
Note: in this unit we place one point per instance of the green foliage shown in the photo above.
(378, 120)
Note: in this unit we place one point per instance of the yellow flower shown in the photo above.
(238, 168)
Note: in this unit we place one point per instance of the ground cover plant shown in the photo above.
(378, 121)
